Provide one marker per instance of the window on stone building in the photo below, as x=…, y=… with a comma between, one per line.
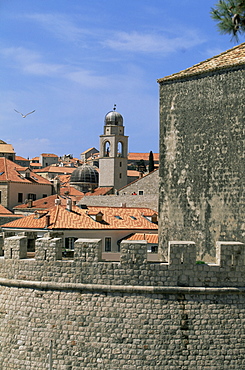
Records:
x=20, y=197
x=119, y=149
x=107, y=244
x=69, y=243
x=107, y=149
x=141, y=192
x=154, y=249
x=31, y=196
x=45, y=195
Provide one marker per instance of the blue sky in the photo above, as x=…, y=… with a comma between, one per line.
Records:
x=72, y=60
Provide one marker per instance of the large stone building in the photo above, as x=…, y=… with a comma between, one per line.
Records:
x=202, y=193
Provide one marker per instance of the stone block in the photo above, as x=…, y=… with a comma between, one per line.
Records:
x=15, y=247
x=88, y=250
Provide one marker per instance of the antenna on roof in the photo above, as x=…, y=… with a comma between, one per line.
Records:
x=115, y=107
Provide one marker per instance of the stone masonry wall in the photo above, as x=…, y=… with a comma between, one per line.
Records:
x=202, y=137
x=120, y=330
x=88, y=314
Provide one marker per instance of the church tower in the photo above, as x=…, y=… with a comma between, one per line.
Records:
x=113, y=159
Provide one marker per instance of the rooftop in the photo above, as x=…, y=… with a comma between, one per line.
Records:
x=150, y=238
x=82, y=218
x=229, y=58
x=144, y=156
x=10, y=171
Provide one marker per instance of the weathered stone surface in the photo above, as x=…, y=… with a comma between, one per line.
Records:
x=202, y=180
x=131, y=314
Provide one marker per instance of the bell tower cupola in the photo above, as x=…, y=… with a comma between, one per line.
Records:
x=113, y=152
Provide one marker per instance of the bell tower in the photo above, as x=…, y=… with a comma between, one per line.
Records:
x=113, y=161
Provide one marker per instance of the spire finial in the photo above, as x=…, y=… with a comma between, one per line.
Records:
x=115, y=107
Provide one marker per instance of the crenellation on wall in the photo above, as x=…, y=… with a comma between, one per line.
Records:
x=182, y=253
x=15, y=247
x=134, y=253
x=88, y=267
x=48, y=249
x=230, y=254
x=88, y=250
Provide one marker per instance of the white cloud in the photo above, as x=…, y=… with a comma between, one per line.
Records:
x=152, y=42
x=31, y=62
x=87, y=78
x=60, y=26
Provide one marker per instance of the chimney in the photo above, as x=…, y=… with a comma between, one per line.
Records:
x=29, y=203
x=57, y=201
x=47, y=220
x=69, y=204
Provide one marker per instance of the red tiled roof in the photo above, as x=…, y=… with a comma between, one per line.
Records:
x=229, y=58
x=57, y=169
x=10, y=171
x=150, y=238
x=49, y=201
x=133, y=173
x=35, y=164
x=64, y=179
x=88, y=150
x=42, y=203
x=144, y=156
x=71, y=191
x=113, y=218
x=49, y=155
x=100, y=191
x=17, y=157
x=4, y=211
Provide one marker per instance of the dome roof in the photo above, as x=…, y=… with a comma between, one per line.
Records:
x=114, y=118
x=85, y=173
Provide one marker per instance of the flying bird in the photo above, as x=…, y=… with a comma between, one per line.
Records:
x=24, y=115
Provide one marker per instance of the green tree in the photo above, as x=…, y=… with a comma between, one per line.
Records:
x=141, y=166
x=230, y=15
x=151, y=162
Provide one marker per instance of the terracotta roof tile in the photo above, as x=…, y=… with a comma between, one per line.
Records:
x=17, y=157
x=4, y=211
x=150, y=238
x=144, y=156
x=100, y=191
x=71, y=191
x=48, y=202
x=49, y=155
x=113, y=218
x=229, y=58
x=56, y=169
x=10, y=171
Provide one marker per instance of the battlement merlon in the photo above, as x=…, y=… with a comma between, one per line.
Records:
x=181, y=254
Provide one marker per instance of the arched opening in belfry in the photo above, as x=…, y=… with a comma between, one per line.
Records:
x=120, y=149
x=107, y=149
